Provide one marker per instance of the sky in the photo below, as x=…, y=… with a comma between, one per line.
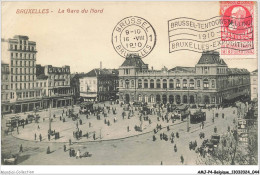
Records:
x=83, y=40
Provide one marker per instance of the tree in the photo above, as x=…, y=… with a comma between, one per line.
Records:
x=225, y=153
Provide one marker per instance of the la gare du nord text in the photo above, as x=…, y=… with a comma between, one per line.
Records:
x=220, y=21
x=68, y=10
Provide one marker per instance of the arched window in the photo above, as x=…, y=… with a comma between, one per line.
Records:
x=122, y=83
x=213, y=83
x=145, y=83
x=178, y=99
x=184, y=85
x=152, y=98
x=140, y=97
x=152, y=84
x=164, y=98
x=185, y=99
x=139, y=83
x=198, y=83
x=192, y=100
x=191, y=84
x=164, y=84
x=132, y=83
x=146, y=98
x=158, y=83
x=126, y=84
x=171, y=99
x=205, y=83
x=171, y=84
x=206, y=99
x=158, y=98
x=178, y=84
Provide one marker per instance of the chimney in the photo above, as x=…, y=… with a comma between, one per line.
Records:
x=152, y=67
x=100, y=65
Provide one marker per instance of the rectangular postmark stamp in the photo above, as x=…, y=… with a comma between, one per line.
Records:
x=232, y=33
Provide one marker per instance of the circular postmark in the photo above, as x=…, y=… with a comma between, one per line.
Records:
x=133, y=35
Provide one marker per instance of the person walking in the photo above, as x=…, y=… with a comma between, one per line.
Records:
x=64, y=148
x=49, y=137
x=21, y=148
x=48, y=150
x=40, y=136
x=78, y=154
x=182, y=159
x=35, y=136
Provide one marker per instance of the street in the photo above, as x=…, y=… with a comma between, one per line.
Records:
x=116, y=146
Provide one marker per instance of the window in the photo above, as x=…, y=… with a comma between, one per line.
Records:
x=171, y=84
x=184, y=83
x=213, y=99
x=205, y=83
x=151, y=83
x=164, y=84
x=192, y=84
x=198, y=83
x=158, y=83
x=140, y=97
x=139, y=83
x=178, y=85
x=132, y=83
x=213, y=83
x=145, y=83
x=127, y=71
x=127, y=84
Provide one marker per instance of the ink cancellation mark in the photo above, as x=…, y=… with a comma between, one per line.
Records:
x=133, y=35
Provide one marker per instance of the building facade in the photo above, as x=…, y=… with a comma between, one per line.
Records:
x=55, y=84
x=24, y=95
x=254, y=84
x=209, y=82
x=99, y=85
x=26, y=86
x=5, y=85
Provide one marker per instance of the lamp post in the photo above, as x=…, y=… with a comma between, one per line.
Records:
x=49, y=132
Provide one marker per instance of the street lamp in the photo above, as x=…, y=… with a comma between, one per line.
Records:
x=49, y=132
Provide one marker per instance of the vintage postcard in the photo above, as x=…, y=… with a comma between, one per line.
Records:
x=130, y=83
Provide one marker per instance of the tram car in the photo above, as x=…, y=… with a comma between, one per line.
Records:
x=85, y=107
x=181, y=112
x=197, y=117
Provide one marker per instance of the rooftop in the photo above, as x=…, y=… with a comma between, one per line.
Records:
x=237, y=71
x=133, y=60
x=211, y=57
x=96, y=72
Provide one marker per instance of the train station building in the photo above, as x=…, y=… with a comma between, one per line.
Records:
x=209, y=82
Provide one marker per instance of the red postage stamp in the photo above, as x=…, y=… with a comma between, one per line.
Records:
x=237, y=30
